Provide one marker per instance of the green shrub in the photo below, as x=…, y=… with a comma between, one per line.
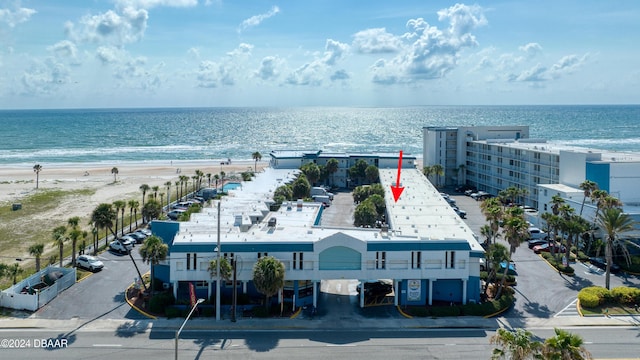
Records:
x=420, y=311
x=172, y=312
x=441, y=311
x=159, y=302
x=625, y=295
x=260, y=312
x=557, y=263
x=208, y=311
x=593, y=296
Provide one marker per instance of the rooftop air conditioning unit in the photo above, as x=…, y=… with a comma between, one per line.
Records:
x=272, y=222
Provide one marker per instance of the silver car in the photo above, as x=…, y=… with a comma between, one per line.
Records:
x=89, y=262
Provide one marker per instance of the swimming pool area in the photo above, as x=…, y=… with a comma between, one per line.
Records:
x=231, y=186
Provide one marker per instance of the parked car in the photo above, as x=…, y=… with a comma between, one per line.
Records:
x=89, y=262
x=376, y=287
x=536, y=242
x=138, y=237
x=535, y=233
x=602, y=264
x=549, y=248
x=145, y=232
x=461, y=213
x=128, y=240
x=480, y=195
x=175, y=214
x=119, y=247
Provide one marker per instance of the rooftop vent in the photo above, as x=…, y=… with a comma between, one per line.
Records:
x=272, y=222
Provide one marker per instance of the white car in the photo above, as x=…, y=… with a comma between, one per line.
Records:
x=119, y=247
x=89, y=262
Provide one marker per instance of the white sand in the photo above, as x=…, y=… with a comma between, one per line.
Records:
x=17, y=182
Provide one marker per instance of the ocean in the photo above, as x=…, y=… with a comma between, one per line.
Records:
x=135, y=135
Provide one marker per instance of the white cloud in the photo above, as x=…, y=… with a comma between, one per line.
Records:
x=258, y=19
x=110, y=55
x=268, y=69
x=373, y=41
x=340, y=75
x=566, y=65
x=316, y=71
x=531, y=49
x=334, y=52
x=431, y=52
x=65, y=49
x=111, y=27
x=211, y=74
x=15, y=16
x=44, y=77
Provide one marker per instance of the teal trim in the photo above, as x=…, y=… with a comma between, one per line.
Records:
x=340, y=258
x=319, y=217
x=442, y=245
x=475, y=254
x=600, y=173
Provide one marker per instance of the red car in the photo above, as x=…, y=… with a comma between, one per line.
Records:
x=549, y=248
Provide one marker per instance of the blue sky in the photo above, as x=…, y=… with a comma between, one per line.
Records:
x=180, y=53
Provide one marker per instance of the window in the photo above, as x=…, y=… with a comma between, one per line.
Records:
x=195, y=260
x=262, y=254
x=381, y=257
x=416, y=259
x=298, y=261
x=450, y=259
x=179, y=265
x=188, y=261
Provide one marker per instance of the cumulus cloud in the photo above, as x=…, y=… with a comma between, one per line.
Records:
x=314, y=72
x=258, y=19
x=268, y=69
x=375, y=41
x=111, y=27
x=44, y=77
x=15, y=16
x=531, y=49
x=212, y=74
x=109, y=55
x=539, y=73
x=64, y=49
x=431, y=52
x=566, y=65
x=340, y=75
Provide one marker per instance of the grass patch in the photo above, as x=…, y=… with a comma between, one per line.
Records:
x=610, y=309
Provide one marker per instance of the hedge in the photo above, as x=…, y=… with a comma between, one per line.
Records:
x=593, y=296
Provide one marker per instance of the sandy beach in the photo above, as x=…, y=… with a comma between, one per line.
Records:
x=19, y=182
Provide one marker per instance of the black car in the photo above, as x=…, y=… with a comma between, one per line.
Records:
x=376, y=288
x=602, y=264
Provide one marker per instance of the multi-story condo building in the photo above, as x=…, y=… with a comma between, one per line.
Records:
x=493, y=158
x=424, y=248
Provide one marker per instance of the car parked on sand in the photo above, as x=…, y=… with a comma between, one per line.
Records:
x=89, y=262
x=549, y=248
x=119, y=247
x=602, y=264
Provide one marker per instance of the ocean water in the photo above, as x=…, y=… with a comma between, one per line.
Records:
x=122, y=135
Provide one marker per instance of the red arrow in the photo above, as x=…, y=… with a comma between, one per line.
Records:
x=397, y=190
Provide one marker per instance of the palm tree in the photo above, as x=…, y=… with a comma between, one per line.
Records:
x=332, y=167
x=74, y=235
x=268, y=276
x=516, y=230
x=151, y=210
x=119, y=204
x=493, y=212
x=13, y=271
x=427, y=171
x=133, y=206
x=103, y=217
x=225, y=269
x=144, y=188
x=614, y=223
x=588, y=187
x=438, y=170
x=257, y=157
x=36, y=250
x=59, y=238
x=199, y=176
x=153, y=250
x=216, y=177
x=36, y=169
x=209, y=179
x=515, y=345
x=565, y=346
x=114, y=171
x=155, y=190
x=178, y=187
x=168, y=186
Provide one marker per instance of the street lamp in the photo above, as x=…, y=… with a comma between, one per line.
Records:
x=200, y=301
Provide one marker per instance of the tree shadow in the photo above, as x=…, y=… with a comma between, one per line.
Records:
x=576, y=283
x=205, y=343
x=62, y=341
x=530, y=307
x=131, y=328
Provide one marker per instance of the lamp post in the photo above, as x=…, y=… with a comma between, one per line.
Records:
x=185, y=322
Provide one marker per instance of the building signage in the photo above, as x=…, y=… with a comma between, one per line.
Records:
x=414, y=293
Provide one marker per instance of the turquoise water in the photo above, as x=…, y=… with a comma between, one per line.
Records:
x=94, y=135
x=231, y=186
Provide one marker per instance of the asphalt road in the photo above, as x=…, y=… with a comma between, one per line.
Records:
x=614, y=343
x=101, y=295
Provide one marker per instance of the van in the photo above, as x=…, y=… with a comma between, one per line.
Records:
x=322, y=199
x=320, y=191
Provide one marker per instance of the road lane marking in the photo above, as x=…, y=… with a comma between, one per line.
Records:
x=107, y=345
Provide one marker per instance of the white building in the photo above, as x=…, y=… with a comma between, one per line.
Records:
x=428, y=251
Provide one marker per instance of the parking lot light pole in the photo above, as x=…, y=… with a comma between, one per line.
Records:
x=200, y=301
